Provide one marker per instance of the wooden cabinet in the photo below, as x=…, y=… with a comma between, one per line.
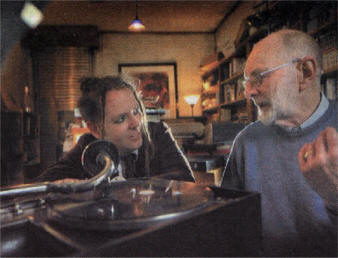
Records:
x=223, y=94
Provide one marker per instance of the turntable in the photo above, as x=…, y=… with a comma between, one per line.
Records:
x=137, y=217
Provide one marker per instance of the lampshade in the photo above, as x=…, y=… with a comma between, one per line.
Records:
x=136, y=25
x=191, y=99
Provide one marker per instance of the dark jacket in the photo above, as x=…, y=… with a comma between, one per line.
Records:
x=168, y=160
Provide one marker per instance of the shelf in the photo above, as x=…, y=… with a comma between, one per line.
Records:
x=331, y=71
x=154, y=111
x=322, y=28
x=232, y=78
x=208, y=69
x=228, y=83
x=253, y=37
x=212, y=91
x=235, y=103
x=211, y=109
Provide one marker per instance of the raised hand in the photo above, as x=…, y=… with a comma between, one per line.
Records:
x=318, y=161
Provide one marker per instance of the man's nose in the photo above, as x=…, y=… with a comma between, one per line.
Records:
x=134, y=121
x=250, y=90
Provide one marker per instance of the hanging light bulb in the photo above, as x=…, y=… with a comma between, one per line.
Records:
x=136, y=25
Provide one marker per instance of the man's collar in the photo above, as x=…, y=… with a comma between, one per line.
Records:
x=321, y=109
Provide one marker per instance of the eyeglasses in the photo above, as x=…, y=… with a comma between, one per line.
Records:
x=256, y=78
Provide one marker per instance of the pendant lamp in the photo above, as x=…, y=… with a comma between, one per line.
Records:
x=136, y=25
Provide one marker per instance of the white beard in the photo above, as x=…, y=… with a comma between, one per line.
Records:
x=267, y=117
x=281, y=105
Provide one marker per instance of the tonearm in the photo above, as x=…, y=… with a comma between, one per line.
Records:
x=100, y=158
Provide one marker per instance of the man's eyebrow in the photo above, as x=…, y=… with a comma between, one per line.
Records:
x=116, y=116
x=256, y=71
x=125, y=113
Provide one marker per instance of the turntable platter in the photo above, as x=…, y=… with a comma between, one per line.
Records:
x=131, y=204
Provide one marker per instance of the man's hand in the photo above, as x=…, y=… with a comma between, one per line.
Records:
x=318, y=161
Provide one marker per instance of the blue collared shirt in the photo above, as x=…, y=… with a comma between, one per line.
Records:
x=321, y=109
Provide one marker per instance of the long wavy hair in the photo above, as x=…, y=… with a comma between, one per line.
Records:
x=93, y=100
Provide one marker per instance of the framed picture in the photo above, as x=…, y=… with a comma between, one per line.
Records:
x=157, y=83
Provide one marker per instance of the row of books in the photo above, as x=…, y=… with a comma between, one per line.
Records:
x=328, y=40
x=237, y=65
x=330, y=60
x=210, y=102
x=320, y=15
x=232, y=68
x=233, y=91
x=329, y=88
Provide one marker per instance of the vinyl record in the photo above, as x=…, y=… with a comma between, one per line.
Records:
x=132, y=204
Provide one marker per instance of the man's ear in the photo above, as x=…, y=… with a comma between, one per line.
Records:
x=307, y=72
x=94, y=129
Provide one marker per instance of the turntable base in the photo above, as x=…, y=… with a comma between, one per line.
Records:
x=132, y=204
x=141, y=217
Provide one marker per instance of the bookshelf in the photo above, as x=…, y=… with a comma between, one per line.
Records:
x=227, y=92
x=222, y=92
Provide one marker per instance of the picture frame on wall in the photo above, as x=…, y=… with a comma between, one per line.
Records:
x=157, y=84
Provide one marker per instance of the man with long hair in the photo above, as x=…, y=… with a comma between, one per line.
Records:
x=114, y=112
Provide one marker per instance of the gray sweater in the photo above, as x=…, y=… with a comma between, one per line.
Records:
x=295, y=220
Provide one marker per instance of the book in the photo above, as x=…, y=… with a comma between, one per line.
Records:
x=331, y=88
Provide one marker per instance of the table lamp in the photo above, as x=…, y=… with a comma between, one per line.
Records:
x=192, y=100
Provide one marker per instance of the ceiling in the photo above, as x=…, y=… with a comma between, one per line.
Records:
x=157, y=16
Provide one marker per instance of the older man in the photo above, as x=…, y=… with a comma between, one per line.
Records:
x=290, y=155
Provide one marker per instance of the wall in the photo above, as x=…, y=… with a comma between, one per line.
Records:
x=227, y=32
x=15, y=75
x=186, y=50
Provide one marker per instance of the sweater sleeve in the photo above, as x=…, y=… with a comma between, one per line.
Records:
x=70, y=165
x=171, y=162
x=231, y=177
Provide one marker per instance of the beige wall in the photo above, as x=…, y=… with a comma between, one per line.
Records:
x=227, y=32
x=186, y=50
